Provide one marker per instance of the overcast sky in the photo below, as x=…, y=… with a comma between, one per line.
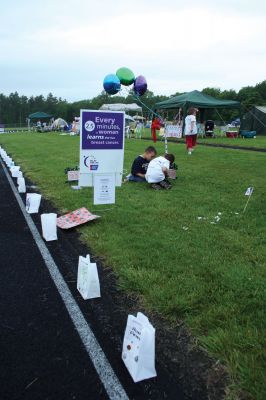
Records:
x=67, y=46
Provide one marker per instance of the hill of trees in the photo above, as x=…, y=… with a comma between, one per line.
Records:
x=14, y=108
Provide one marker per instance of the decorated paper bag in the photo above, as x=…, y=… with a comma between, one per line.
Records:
x=88, y=280
x=21, y=185
x=49, y=228
x=33, y=201
x=139, y=348
x=172, y=174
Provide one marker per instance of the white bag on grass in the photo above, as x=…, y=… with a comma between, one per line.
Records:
x=88, y=280
x=9, y=162
x=49, y=227
x=14, y=171
x=21, y=185
x=19, y=175
x=33, y=201
x=139, y=348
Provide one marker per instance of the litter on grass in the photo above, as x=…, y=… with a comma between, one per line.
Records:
x=75, y=218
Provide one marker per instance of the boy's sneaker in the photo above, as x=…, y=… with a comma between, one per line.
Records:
x=165, y=185
x=189, y=153
x=156, y=186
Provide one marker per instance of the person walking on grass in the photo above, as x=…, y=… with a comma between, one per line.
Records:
x=191, y=129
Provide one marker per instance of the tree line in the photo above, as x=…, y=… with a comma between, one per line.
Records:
x=14, y=109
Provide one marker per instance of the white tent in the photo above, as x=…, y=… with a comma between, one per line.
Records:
x=129, y=118
x=59, y=123
x=121, y=107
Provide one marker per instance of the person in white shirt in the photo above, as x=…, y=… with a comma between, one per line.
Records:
x=158, y=171
x=191, y=129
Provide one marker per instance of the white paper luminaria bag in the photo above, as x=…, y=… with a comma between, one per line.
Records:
x=19, y=175
x=49, y=227
x=88, y=280
x=139, y=348
x=21, y=185
x=14, y=171
x=33, y=201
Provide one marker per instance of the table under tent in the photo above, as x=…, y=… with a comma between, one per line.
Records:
x=198, y=100
x=38, y=116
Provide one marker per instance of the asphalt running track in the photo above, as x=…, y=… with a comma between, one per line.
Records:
x=43, y=348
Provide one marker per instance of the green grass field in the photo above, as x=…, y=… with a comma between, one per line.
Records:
x=259, y=142
x=212, y=276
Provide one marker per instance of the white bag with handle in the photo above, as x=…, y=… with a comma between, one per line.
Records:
x=21, y=185
x=88, y=280
x=49, y=227
x=33, y=201
x=139, y=348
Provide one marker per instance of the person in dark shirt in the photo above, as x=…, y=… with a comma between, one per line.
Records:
x=140, y=165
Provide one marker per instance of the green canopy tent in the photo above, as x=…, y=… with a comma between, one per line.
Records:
x=195, y=99
x=39, y=115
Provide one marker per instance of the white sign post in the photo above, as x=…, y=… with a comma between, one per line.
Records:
x=101, y=145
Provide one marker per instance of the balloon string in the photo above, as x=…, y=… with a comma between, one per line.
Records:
x=144, y=105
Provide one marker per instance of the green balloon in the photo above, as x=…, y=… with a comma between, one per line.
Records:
x=125, y=75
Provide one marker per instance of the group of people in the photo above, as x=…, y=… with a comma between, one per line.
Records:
x=190, y=130
x=154, y=170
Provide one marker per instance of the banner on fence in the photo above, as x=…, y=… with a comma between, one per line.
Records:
x=173, y=131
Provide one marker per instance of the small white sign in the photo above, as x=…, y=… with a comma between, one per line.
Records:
x=249, y=191
x=104, y=189
x=72, y=176
x=173, y=131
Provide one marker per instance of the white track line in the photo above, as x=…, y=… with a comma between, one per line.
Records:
x=106, y=374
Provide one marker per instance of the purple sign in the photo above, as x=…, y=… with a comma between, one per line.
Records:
x=102, y=130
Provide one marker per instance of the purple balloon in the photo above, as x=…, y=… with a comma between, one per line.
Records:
x=140, y=85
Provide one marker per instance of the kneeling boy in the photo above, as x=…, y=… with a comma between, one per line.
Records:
x=140, y=165
x=158, y=171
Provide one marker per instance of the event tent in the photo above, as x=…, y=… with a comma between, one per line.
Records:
x=59, y=123
x=255, y=120
x=39, y=115
x=129, y=118
x=121, y=107
x=196, y=99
